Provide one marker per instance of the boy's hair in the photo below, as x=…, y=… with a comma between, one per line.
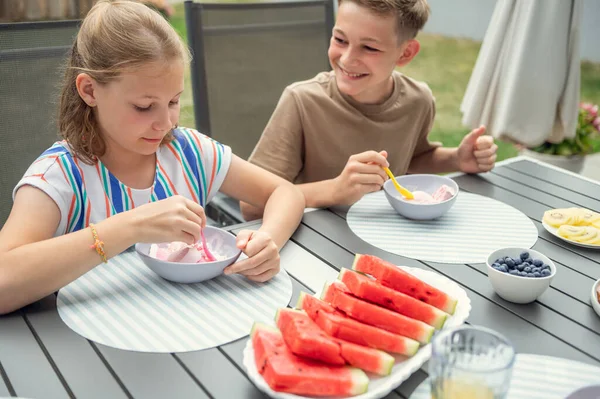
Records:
x=411, y=15
x=115, y=37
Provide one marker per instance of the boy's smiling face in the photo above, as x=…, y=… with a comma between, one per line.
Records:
x=364, y=51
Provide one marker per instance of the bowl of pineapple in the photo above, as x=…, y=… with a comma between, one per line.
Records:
x=578, y=226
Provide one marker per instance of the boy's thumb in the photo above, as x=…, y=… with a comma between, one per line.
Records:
x=384, y=153
x=474, y=135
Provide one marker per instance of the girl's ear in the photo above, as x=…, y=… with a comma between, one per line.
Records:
x=410, y=50
x=86, y=87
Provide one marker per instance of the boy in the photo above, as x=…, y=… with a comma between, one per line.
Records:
x=325, y=133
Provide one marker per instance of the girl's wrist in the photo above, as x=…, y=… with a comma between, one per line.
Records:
x=118, y=232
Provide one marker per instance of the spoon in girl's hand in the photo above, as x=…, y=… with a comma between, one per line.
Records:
x=209, y=254
x=404, y=192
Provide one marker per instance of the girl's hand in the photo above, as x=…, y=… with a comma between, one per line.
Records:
x=263, y=256
x=172, y=219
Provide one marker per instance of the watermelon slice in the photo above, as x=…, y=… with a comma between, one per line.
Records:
x=304, y=337
x=370, y=290
x=338, y=325
x=286, y=372
x=394, y=277
x=339, y=296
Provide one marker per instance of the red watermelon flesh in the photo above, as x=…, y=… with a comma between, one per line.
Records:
x=304, y=337
x=394, y=277
x=338, y=325
x=285, y=372
x=370, y=290
x=338, y=295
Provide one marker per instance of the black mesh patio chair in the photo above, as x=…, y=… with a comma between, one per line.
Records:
x=31, y=58
x=244, y=55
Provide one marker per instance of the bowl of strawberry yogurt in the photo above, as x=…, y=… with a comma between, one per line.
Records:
x=434, y=196
x=183, y=263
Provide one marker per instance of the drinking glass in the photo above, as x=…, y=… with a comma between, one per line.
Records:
x=470, y=362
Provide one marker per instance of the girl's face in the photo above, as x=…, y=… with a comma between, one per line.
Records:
x=139, y=108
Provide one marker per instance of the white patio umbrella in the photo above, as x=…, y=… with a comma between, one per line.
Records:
x=525, y=84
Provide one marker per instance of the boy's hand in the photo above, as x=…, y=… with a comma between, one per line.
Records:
x=476, y=153
x=361, y=175
x=263, y=256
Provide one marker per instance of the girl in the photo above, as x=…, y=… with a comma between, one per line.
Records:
x=125, y=173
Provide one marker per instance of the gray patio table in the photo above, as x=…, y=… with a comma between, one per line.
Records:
x=40, y=357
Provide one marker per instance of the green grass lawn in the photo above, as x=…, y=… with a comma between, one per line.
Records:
x=446, y=65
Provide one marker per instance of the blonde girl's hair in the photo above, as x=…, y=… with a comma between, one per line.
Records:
x=116, y=36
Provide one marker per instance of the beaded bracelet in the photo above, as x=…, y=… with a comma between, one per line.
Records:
x=97, y=245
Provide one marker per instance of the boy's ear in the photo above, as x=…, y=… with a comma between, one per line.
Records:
x=411, y=49
x=86, y=88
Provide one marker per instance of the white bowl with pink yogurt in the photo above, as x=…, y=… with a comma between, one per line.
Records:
x=434, y=196
x=183, y=263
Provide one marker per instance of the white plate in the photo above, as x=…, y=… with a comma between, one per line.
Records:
x=404, y=367
x=594, y=298
x=554, y=232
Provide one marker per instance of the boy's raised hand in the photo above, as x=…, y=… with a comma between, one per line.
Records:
x=476, y=153
x=362, y=174
x=263, y=256
x=172, y=219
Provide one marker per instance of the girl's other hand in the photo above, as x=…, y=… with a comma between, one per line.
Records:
x=263, y=256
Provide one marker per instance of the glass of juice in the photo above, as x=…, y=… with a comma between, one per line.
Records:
x=470, y=362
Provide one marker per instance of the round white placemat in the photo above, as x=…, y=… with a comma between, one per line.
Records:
x=125, y=305
x=473, y=228
x=539, y=377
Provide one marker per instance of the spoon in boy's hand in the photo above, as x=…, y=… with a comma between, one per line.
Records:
x=404, y=192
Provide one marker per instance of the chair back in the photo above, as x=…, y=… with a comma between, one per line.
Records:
x=244, y=55
x=31, y=58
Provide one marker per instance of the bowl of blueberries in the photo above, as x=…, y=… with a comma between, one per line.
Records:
x=520, y=275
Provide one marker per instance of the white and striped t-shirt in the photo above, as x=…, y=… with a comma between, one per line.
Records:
x=193, y=165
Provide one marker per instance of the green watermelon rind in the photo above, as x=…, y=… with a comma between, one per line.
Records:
x=360, y=381
x=256, y=326
x=450, y=305
x=300, y=300
x=438, y=322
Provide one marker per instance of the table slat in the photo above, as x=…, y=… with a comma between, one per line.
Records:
x=152, y=375
x=3, y=388
x=219, y=376
x=522, y=190
x=24, y=361
x=567, y=256
x=557, y=177
x=69, y=351
x=547, y=187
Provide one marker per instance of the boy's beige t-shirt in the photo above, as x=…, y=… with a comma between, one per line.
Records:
x=315, y=129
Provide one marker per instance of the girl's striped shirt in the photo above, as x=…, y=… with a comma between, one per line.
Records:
x=192, y=165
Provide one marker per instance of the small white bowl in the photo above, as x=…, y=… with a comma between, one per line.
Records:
x=426, y=183
x=594, y=298
x=518, y=289
x=220, y=242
